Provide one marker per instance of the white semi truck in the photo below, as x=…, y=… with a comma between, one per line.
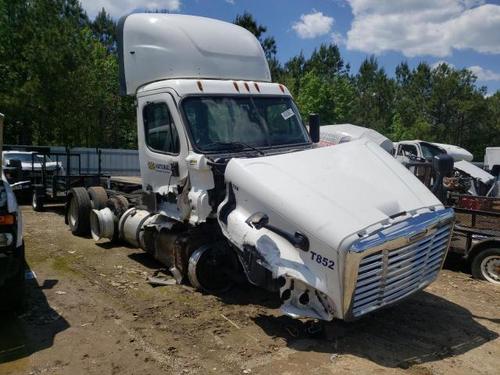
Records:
x=235, y=189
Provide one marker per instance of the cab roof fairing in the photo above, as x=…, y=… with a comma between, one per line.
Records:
x=154, y=47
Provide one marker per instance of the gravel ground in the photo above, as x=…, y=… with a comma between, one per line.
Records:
x=90, y=311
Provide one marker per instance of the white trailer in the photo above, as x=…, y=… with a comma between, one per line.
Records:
x=234, y=188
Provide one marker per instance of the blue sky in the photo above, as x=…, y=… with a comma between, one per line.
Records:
x=464, y=33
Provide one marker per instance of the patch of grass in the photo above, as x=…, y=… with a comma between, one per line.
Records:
x=62, y=264
x=35, y=259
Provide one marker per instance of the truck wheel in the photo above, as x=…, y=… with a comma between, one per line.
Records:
x=78, y=213
x=98, y=197
x=37, y=201
x=486, y=265
x=206, y=270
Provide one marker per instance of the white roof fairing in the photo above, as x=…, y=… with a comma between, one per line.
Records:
x=155, y=47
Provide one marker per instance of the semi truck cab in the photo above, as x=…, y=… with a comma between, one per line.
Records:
x=417, y=149
x=234, y=186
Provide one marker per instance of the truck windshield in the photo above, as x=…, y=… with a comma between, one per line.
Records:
x=429, y=151
x=220, y=123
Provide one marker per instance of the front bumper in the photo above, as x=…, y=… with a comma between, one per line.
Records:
x=395, y=262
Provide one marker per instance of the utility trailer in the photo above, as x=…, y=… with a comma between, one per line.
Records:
x=235, y=189
x=39, y=173
x=476, y=236
x=54, y=187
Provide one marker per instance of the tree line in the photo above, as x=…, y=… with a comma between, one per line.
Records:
x=59, y=85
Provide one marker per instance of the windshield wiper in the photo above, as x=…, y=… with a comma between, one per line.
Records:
x=235, y=145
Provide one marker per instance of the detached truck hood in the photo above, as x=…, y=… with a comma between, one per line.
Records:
x=318, y=205
x=332, y=192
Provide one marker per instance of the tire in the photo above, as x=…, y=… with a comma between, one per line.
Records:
x=98, y=197
x=37, y=201
x=78, y=212
x=206, y=270
x=118, y=204
x=13, y=291
x=486, y=265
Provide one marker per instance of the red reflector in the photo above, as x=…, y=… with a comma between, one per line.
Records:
x=7, y=219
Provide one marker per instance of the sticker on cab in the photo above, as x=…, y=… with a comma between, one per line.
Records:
x=158, y=167
x=287, y=114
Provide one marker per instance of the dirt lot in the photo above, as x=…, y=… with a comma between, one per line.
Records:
x=90, y=311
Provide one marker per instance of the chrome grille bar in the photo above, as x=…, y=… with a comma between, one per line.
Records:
x=387, y=274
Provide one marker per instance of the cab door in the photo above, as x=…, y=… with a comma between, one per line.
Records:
x=162, y=142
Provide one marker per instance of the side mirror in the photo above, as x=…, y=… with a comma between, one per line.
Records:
x=314, y=127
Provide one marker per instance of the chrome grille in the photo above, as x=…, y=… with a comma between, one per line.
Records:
x=386, y=276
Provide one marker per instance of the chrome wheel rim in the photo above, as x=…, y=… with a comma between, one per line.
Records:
x=490, y=268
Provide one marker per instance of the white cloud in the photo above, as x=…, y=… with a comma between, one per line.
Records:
x=440, y=62
x=424, y=27
x=232, y=2
x=483, y=74
x=313, y=25
x=338, y=38
x=118, y=8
